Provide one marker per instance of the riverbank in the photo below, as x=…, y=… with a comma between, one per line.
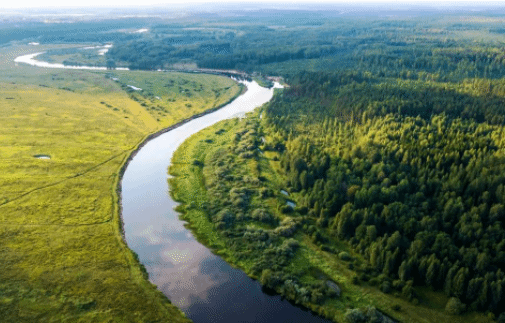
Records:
x=138, y=270
x=225, y=192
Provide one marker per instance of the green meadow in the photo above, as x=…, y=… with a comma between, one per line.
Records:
x=62, y=253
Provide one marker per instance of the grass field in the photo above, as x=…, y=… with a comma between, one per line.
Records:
x=188, y=186
x=169, y=99
x=63, y=257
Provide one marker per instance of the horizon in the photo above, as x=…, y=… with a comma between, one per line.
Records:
x=294, y=4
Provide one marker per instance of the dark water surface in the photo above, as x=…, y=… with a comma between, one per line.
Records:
x=200, y=283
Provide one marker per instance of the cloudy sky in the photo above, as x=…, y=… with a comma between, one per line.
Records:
x=124, y=3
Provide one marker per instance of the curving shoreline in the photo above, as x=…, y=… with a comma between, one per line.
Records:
x=149, y=137
x=30, y=60
x=163, y=252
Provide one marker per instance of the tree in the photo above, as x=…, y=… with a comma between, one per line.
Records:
x=404, y=271
x=432, y=272
x=111, y=65
x=344, y=221
x=459, y=286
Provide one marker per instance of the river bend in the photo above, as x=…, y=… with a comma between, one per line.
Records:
x=201, y=284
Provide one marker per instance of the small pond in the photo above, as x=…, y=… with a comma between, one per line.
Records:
x=42, y=156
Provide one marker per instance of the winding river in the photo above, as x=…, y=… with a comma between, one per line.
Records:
x=201, y=284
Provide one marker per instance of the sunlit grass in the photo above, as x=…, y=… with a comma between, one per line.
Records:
x=63, y=257
x=169, y=97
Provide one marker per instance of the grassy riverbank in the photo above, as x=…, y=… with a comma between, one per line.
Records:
x=231, y=196
x=63, y=256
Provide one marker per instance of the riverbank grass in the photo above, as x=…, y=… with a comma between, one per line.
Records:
x=63, y=257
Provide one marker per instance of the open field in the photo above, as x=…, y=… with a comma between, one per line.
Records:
x=197, y=165
x=171, y=96
x=63, y=256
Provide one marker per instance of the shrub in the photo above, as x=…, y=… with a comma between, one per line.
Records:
x=454, y=306
x=265, y=192
x=355, y=316
x=386, y=287
x=262, y=215
x=286, y=209
x=197, y=163
x=408, y=290
x=398, y=284
x=344, y=256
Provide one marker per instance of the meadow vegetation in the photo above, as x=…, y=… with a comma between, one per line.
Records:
x=62, y=253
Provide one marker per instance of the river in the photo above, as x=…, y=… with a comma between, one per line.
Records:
x=201, y=284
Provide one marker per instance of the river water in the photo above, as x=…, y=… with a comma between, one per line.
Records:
x=201, y=284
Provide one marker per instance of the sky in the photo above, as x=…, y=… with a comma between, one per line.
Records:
x=178, y=3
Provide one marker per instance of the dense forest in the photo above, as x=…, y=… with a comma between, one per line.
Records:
x=414, y=182
x=390, y=141
x=441, y=48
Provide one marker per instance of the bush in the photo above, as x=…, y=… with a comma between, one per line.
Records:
x=266, y=192
x=262, y=215
x=374, y=281
x=386, y=287
x=398, y=284
x=197, y=163
x=225, y=218
x=269, y=279
x=344, y=256
x=355, y=316
x=454, y=306
x=408, y=290
x=286, y=209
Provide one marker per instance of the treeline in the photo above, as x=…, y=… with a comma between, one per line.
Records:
x=410, y=173
x=407, y=49
x=154, y=54
x=77, y=32
x=358, y=95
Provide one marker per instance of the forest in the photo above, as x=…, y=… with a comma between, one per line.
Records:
x=440, y=47
x=391, y=160
x=417, y=191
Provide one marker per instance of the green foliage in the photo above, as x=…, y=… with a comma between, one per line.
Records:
x=405, y=188
x=454, y=306
x=366, y=315
x=416, y=49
